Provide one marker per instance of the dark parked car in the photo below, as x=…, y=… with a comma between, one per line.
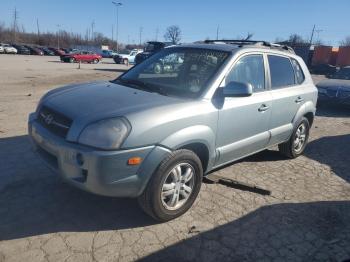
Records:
x=34, y=50
x=57, y=51
x=46, y=51
x=83, y=56
x=335, y=90
x=22, y=50
x=150, y=49
x=324, y=69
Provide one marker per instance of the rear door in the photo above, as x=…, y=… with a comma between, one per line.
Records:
x=286, y=78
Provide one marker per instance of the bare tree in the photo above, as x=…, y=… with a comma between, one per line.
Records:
x=173, y=34
x=345, y=42
x=248, y=37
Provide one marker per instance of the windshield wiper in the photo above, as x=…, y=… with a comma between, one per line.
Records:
x=142, y=86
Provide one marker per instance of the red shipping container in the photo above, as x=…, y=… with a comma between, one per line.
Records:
x=334, y=56
x=322, y=55
x=343, y=56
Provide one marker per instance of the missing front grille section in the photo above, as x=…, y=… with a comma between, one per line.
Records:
x=54, y=121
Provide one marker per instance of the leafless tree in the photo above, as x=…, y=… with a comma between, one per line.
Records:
x=173, y=34
x=345, y=42
x=248, y=37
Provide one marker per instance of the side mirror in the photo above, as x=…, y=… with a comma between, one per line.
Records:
x=237, y=89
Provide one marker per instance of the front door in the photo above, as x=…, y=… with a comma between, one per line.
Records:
x=244, y=121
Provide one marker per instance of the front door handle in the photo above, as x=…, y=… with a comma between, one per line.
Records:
x=299, y=100
x=263, y=108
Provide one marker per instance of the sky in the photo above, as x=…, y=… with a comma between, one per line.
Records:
x=198, y=20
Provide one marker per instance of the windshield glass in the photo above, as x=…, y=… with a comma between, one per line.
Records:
x=150, y=47
x=343, y=73
x=182, y=72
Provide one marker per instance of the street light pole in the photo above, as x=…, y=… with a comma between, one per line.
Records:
x=58, y=36
x=117, y=5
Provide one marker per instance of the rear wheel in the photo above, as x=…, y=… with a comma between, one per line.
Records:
x=173, y=187
x=296, y=144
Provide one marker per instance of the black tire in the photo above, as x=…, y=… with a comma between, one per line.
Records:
x=151, y=201
x=288, y=148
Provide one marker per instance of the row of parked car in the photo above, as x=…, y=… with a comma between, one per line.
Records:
x=32, y=50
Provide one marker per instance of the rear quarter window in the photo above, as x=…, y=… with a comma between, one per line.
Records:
x=299, y=74
x=281, y=72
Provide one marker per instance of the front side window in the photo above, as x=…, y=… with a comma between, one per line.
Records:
x=181, y=72
x=249, y=69
x=281, y=72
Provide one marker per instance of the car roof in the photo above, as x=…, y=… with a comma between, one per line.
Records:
x=256, y=46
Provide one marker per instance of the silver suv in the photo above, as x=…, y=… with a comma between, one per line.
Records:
x=153, y=134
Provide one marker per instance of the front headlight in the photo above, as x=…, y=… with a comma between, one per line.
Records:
x=105, y=134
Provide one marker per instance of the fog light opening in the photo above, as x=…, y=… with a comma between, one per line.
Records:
x=134, y=161
x=80, y=159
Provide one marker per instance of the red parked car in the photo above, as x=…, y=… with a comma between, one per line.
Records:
x=83, y=56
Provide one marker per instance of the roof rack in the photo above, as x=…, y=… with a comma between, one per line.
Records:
x=241, y=43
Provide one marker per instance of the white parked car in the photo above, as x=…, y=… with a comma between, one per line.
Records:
x=8, y=49
x=127, y=58
x=1, y=50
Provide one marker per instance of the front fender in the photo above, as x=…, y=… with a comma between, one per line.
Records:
x=193, y=134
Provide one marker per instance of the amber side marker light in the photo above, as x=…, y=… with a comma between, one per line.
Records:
x=134, y=161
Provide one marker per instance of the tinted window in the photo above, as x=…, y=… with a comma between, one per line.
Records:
x=249, y=69
x=281, y=71
x=298, y=71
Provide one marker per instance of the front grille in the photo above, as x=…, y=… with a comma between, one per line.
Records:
x=54, y=121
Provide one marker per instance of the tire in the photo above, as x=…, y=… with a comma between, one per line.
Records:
x=152, y=200
x=290, y=148
x=95, y=61
x=72, y=60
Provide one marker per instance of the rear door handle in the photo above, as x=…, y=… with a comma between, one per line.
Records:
x=263, y=108
x=299, y=100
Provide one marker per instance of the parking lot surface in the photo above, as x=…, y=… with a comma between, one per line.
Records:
x=305, y=218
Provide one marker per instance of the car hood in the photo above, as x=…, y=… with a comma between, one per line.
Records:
x=334, y=83
x=99, y=100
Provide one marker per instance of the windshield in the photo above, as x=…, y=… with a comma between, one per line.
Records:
x=343, y=73
x=181, y=72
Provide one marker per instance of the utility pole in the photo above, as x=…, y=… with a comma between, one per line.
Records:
x=58, y=36
x=117, y=5
x=92, y=31
x=37, y=26
x=141, y=29
x=15, y=18
x=217, y=33
x=312, y=34
x=112, y=33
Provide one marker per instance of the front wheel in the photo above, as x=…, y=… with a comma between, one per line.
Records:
x=296, y=144
x=173, y=187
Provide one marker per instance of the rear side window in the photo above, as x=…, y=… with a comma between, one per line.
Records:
x=281, y=71
x=299, y=75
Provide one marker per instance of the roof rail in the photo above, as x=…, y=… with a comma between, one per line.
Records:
x=241, y=43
